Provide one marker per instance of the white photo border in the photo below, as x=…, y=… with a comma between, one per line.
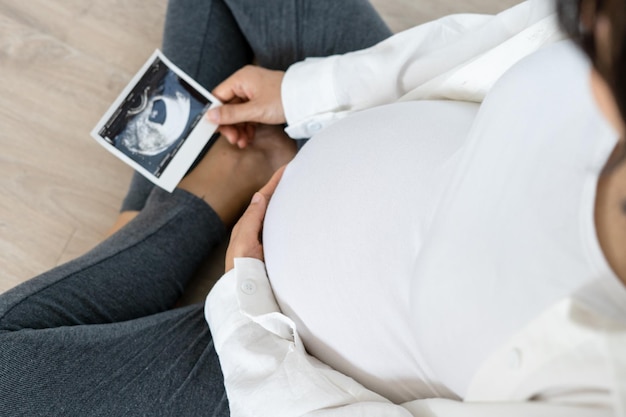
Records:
x=195, y=142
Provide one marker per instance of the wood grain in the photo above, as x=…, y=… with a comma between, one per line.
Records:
x=62, y=62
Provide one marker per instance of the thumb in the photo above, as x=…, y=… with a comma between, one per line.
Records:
x=268, y=189
x=230, y=114
x=245, y=238
x=252, y=220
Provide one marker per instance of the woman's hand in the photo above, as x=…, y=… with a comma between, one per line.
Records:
x=252, y=94
x=245, y=240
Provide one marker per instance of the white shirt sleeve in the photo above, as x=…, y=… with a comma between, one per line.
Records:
x=458, y=57
x=267, y=371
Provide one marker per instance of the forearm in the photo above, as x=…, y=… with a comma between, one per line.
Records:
x=420, y=63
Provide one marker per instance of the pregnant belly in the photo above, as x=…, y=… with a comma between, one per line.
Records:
x=344, y=228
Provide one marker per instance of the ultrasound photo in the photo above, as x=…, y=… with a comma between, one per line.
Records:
x=152, y=121
x=155, y=118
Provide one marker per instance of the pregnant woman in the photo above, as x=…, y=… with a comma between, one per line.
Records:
x=447, y=243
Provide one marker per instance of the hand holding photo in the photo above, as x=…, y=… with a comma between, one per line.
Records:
x=156, y=124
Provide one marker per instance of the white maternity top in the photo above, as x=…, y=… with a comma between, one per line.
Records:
x=408, y=242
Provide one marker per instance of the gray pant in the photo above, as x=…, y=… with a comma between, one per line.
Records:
x=99, y=336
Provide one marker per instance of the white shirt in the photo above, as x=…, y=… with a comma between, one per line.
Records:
x=409, y=294
x=458, y=57
x=267, y=371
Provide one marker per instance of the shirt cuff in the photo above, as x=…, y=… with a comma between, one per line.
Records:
x=241, y=295
x=309, y=96
x=254, y=292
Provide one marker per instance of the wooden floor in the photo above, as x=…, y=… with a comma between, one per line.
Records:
x=61, y=64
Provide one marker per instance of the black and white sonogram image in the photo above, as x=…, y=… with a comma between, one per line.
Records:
x=156, y=117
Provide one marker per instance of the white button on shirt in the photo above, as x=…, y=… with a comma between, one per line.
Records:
x=248, y=287
x=314, y=127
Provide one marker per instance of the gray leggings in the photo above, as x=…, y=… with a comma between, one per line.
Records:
x=99, y=336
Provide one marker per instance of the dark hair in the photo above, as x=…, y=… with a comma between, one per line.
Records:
x=614, y=72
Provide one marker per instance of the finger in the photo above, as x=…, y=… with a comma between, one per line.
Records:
x=251, y=222
x=250, y=131
x=230, y=114
x=245, y=241
x=231, y=133
x=226, y=90
x=236, y=85
x=268, y=189
x=238, y=135
x=246, y=135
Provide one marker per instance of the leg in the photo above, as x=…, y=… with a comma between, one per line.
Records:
x=204, y=40
x=161, y=365
x=139, y=271
x=95, y=336
x=212, y=39
x=284, y=32
x=142, y=269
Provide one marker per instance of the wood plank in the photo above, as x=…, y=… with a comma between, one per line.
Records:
x=121, y=33
x=403, y=14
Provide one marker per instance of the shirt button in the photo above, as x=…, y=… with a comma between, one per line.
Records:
x=515, y=359
x=248, y=287
x=314, y=127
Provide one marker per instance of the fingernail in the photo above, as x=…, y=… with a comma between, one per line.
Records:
x=256, y=198
x=214, y=115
